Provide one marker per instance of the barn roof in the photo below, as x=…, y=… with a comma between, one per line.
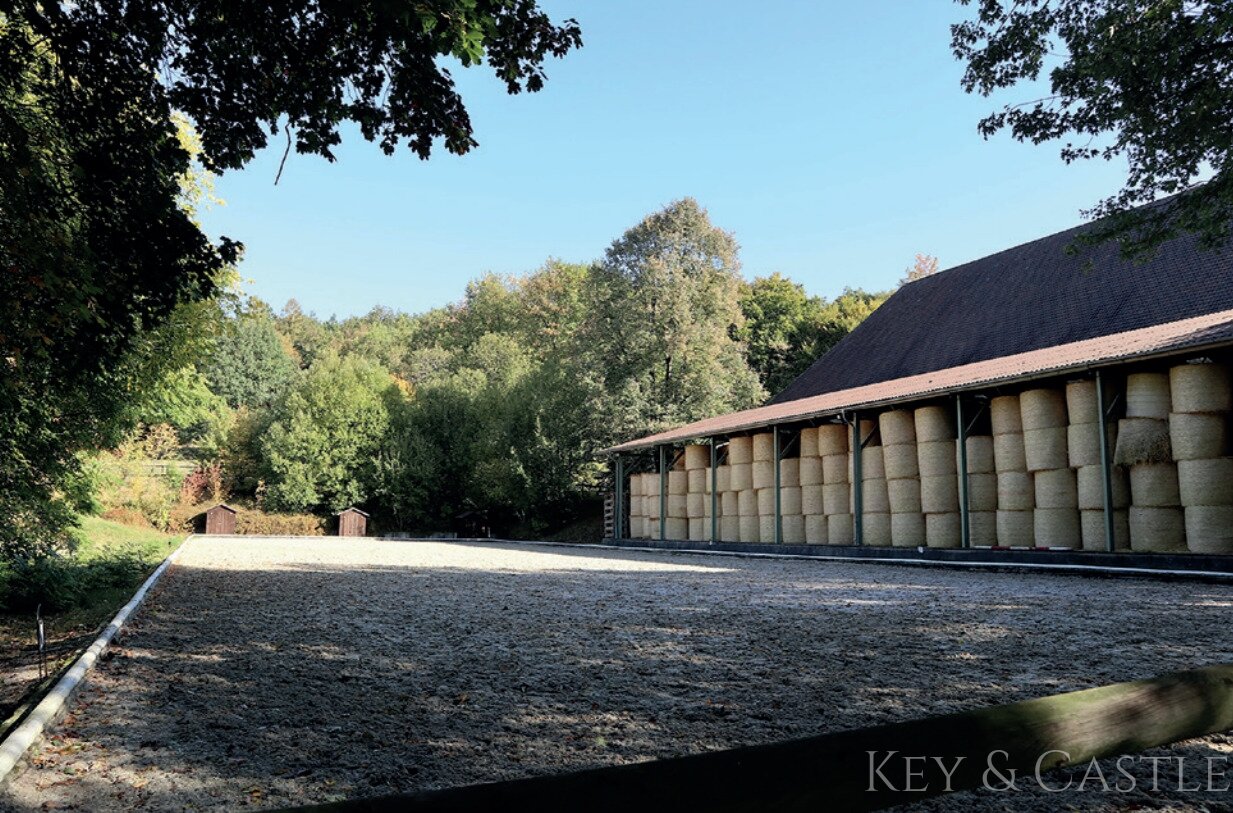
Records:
x=1034, y=310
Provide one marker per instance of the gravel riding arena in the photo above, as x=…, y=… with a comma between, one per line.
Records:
x=273, y=672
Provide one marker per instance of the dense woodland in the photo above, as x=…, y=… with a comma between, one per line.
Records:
x=493, y=407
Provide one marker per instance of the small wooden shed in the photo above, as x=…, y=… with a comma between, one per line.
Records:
x=352, y=522
x=220, y=519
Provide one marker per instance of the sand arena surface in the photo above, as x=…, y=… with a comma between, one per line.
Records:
x=273, y=672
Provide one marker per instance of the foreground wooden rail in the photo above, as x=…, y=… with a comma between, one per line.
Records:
x=835, y=771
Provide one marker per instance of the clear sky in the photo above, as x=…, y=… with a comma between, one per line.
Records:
x=832, y=138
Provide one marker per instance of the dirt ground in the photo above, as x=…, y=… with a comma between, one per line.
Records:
x=266, y=673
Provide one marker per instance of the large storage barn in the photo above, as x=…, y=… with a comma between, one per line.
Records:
x=1037, y=398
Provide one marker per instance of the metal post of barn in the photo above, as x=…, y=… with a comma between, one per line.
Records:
x=965, y=516
x=618, y=517
x=663, y=492
x=1106, y=472
x=858, y=497
x=714, y=491
x=778, y=488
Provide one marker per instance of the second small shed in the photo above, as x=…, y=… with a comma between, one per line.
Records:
x=352, y=522
x=220, y=519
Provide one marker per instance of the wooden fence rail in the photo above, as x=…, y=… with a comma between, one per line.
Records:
x=835, y=772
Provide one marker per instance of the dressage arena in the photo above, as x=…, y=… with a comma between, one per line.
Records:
x=274, y=672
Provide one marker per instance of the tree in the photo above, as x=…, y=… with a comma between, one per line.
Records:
x=925, y=266
x=1147, y=82
x=250, y=365
x=321, y=450
x=664, y=310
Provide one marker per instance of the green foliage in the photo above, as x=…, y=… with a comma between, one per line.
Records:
x=322, y=444
x=1144, y=82
x=250, y=365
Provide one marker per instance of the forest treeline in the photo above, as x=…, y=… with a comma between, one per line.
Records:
x=493, y=407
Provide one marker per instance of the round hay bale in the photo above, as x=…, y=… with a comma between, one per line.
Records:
x=908, y=530
x=1205, y=482
x=899, y=461
x=1057, y=528
x=1081, y=404
x=934, y=423
x=699, y=480
x=936, y=458
x=747, y=503
x=815, y=530
x=1092, y=524
x=741, y=477
x=1016, y=491
x=706, y=506
x=840, y=529
x=1142, y=441
x=1209, y=528
x=943, y=530
x=1083, y=443
x=740, y=450
x=635, y=485
x=1016, y=529
x=832, y=439
x=983, y=528
x=1157, y=529
x=751, y=529
x=835, y=468
x=809, y=442
x=897, y=427
x=764, y=446
x=835, y=498
x=697, y=456
x=1091, y=488
x=766, y=502
x=1056, y=488
x=791, y=501
x=676, y=528
x=939, y=495
x=980, y=454
x=1196, y=436
x=1201, y=388
x=1147, y=396
x=1008, y=453
x=811, y=500
x=652, y=507
x=766, y=529
x=1155, y=486
x=678, y=482
x=678, y=506
x=763, y=472
x=982, y=492
x=1005, y=416
x=869, y=433
x=730, y=529
x=694, y=505
x=729, y=504
x=876, y=528
x=699, y=530
x=790, y=471
x=904, y=496
x=810, y=469
x=873, y=466
x=1043, y=408
x=793, y=530
x=874, y=497
x=1045, y=448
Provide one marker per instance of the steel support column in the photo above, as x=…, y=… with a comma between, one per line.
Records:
x=858, y=496
x=778, y=489
x=663, y=492
x=618, y=516
x=965, y=517
x=1106, y=472
x=714, y=492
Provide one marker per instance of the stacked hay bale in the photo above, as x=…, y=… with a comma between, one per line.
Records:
x=698, y=473
x=791, y=513
x=875, y=499
x=740, y=456
x=982, y=491
x=939, y=481
x=898, y=430
x=650, y=498
x=832, y=444
x=677, y=526
x=1156, y=519
x=1201, y=396
x=764, y=485
x=1055, y=488
x=1083, y=450
x=811, y=477
x=729, y=507
x=636, y=518
x=1016, y=497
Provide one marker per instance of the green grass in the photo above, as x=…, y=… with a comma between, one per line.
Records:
x=98, y=537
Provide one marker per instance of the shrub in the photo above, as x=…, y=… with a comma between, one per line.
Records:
x=262, y=524
x=54, y=581
x=127, y=516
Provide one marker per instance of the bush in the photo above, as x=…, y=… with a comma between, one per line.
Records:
x=260, y=523
x=54, y=581
x=128, y=516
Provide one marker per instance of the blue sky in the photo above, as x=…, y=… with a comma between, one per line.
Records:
x=832, y=138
